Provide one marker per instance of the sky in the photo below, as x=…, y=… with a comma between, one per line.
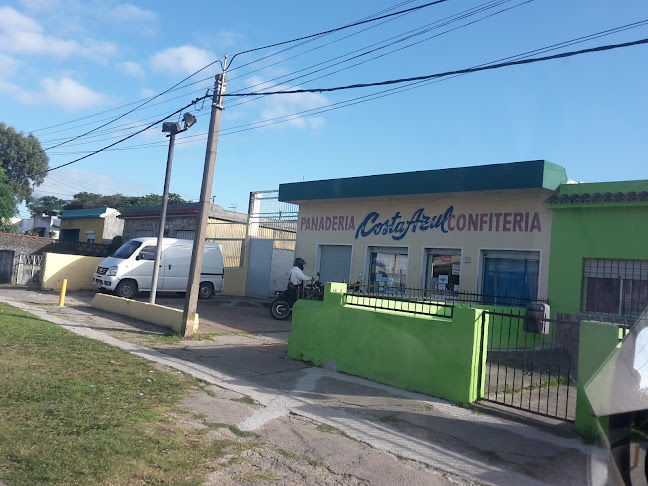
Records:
x=69, y=66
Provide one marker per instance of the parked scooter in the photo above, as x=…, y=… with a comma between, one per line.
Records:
x=282, y=305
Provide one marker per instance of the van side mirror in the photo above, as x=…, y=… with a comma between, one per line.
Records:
x=137, y=257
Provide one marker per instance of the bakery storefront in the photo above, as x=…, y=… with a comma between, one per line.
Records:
x=482, y=229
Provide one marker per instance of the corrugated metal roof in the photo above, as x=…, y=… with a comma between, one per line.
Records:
x=215, y=212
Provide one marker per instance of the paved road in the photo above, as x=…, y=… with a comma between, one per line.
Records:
x=247, y=356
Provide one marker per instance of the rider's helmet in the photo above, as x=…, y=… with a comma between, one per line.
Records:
x=299, y=262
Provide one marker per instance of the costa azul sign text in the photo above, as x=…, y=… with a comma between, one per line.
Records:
x=399, y=226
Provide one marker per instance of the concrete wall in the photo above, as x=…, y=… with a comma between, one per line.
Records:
x=153, y=313
x=597, y=341
x=591, y=231
x=76, y=269
x=172, y=224
x=113, y=226
x=282, y=263
x=235, y=279
x=437, y=356
x=347, y=215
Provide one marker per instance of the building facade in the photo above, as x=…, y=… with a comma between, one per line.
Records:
x=95, y=225
x=599, y=255
x=483, y=229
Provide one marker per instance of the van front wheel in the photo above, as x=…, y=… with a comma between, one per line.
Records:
x=206, y=290
x=126, y=289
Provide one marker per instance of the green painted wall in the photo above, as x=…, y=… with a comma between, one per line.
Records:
x=596, y=342
x=591, y=231
x=436, y=356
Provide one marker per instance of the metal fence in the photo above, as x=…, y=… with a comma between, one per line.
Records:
x=396, y=299
x=415, y=294
x=531, y=371
x=270, y=218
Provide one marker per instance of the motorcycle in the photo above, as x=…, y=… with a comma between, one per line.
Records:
x=282, y=305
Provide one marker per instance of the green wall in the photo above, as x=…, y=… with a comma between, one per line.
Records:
x=597, y=342
x=432, y=355
x=581, y=230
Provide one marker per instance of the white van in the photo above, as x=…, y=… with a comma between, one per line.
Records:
x=130, y=269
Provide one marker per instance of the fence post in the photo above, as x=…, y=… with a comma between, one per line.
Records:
x=62, y=296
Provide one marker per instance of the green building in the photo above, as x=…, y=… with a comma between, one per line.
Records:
x=599, y=249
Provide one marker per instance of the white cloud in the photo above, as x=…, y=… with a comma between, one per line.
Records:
x=181, y=60
x=147, y=93
x=21, y=34
x=41, y=5
x=283, y=105
x=127, y=12
x=65, y=92
x=8, y=66
x=131, y=68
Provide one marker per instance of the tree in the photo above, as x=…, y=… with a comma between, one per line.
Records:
x=8, y=206
x=49, y=205
x=24, y=161
x=86, y=200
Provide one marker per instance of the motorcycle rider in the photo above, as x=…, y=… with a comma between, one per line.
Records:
x=297, y=278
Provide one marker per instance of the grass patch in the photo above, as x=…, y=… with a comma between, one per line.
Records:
x=244, y=399
x=232, y=428
x=78, y=412
x=561, y=380
x=329, y=429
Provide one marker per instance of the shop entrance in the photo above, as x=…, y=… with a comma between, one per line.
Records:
x=443, y=270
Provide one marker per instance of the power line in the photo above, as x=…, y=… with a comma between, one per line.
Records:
x=415, y=82
x=121, y=140
x=411, y=33
x=337, y=29
x=173, y=88
x=130, y=111
x=408, y=35
x=448, y=73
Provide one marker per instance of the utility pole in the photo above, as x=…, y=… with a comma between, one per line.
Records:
x=165, y=201
x=191, y=299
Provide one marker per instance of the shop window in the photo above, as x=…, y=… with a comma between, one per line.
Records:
x=443, y=270
x=510, y=278
x=616, y=287
x=90, y=236
x=388, y=269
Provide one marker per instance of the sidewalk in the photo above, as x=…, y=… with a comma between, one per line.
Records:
x=454, y=445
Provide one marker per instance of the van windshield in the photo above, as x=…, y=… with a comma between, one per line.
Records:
x=127, y=249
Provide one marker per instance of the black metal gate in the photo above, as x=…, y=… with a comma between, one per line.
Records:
x=528, y=370
x=6, y=265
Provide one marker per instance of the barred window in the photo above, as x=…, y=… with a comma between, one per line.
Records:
x=616, y=287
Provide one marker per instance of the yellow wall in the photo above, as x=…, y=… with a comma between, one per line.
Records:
x=471, y=243
x=235, y=280
x=76, y=269
x=85, y=224
x=153, y=313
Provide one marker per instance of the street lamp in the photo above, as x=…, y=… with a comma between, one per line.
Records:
x=171, y=129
